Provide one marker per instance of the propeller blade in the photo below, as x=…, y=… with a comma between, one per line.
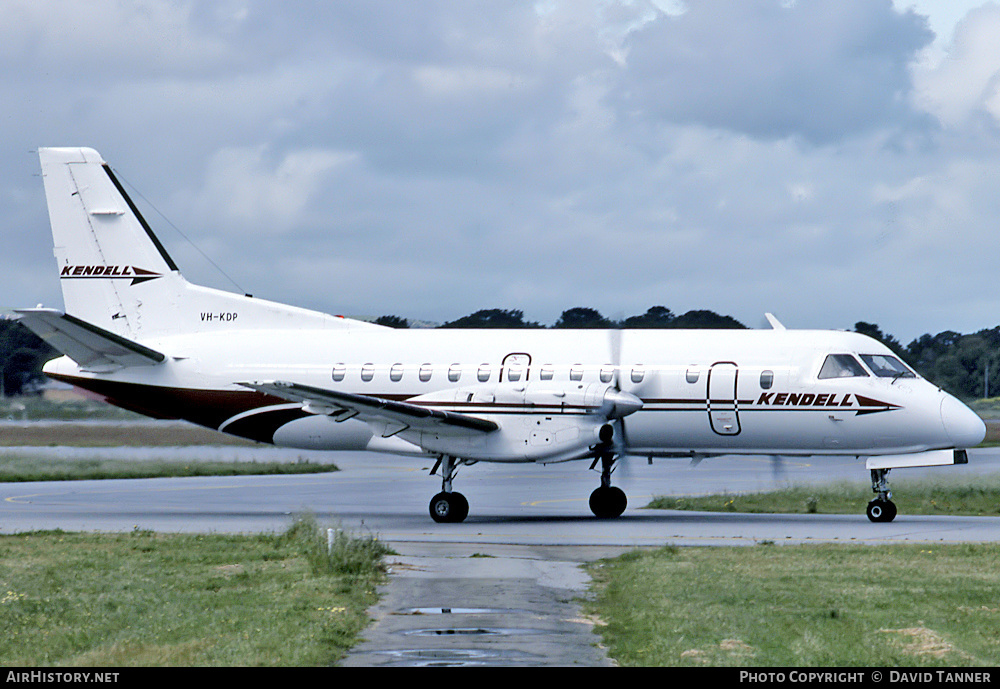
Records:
x=777, y=467
x=615, y=347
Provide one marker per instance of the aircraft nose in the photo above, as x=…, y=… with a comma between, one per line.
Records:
x=962, y=425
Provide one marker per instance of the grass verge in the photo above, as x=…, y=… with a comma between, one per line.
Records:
x=147, y=599
x=945, y=496
x=827, y=605
x=15, y=469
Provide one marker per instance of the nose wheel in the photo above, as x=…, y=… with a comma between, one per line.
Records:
x=882, y=508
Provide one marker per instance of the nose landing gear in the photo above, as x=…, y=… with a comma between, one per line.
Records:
x=882, y=508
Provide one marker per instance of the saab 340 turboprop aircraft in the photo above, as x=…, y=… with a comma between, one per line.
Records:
x=136, y=333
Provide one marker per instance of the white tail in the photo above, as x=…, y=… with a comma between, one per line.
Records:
x=115, y=273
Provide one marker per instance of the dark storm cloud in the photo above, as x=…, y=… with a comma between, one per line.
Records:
x=431, y=159
x=822, y=69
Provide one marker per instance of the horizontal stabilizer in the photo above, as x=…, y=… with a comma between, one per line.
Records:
x=91, y=347
x=396, y=416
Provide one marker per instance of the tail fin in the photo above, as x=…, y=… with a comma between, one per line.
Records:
x=115, y=273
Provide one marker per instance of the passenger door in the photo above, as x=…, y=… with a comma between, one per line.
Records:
x=723, y=410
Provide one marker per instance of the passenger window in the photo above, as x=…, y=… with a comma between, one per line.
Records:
x=425, y=372
x=842, y=366
x=367, y=372
x=513, y=375
x=396, y=373
x=576, y=372
x=766, y=379
x=455, y=372
x=339, y=370
x=637, y=375
x=545, y=373
x=607, y=373
x=692, y=375
x=484, y=373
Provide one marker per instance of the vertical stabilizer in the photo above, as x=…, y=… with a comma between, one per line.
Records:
x=115, y=273
x=102, y=244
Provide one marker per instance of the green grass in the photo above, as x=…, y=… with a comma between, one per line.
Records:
x=34, y=407
x=828, y=605
x=146, y=599
x=15, y=469
x=944, y=496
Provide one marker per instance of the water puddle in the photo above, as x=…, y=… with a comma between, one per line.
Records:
x=456, y=657
x=457, y=611
x=470, y=631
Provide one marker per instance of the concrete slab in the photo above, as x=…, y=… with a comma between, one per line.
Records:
x=458, y=604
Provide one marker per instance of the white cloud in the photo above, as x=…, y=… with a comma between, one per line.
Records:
x=246, y=189
x=965, y=85
x=89, y=39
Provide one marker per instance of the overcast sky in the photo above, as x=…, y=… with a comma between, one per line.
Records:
x=829, y=161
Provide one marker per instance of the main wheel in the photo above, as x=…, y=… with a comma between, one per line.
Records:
x=608, y=502
x=449, y=508
x=881, y=510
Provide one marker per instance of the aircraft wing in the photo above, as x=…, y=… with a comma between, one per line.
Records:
x=388, y=416
x=89, y=346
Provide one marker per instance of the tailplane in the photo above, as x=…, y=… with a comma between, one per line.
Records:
x=115, y=273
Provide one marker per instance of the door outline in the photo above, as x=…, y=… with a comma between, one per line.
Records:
x=521, y=359
x=721, y=398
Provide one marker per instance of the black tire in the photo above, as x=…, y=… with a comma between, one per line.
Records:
x=461, y=507
x=881, y=510
x=449, y=508
x=608, y=502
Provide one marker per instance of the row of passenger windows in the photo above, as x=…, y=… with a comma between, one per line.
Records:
x=835, y=366
x=515, y=374
x=483, y=373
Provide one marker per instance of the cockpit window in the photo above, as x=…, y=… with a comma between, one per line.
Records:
x=842, y=366
x=885, y=366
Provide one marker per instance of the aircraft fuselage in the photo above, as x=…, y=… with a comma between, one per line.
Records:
x=702, y=392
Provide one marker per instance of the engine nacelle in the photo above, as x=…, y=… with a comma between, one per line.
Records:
x=538, y=421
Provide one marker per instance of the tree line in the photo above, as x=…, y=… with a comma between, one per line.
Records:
x=967, y=366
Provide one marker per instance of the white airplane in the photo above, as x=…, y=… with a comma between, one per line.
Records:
x=135, y=332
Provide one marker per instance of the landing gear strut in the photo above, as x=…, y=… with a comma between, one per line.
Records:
x=448, y=506
x=607, y=501
x=882, y=508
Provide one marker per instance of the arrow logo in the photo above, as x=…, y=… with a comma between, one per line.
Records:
x=136, y=275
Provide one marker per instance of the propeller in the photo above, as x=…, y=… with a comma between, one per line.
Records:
x=620, y=403
x=621, y=438
x=777, y=468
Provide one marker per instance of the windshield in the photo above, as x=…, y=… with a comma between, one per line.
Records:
x=885, y=366
x=842, y=366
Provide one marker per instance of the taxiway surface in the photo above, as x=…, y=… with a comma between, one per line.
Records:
x=503, y=587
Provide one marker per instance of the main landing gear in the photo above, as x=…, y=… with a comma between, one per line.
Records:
x=882, y=508
x=607, y=501
x=448, y=506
